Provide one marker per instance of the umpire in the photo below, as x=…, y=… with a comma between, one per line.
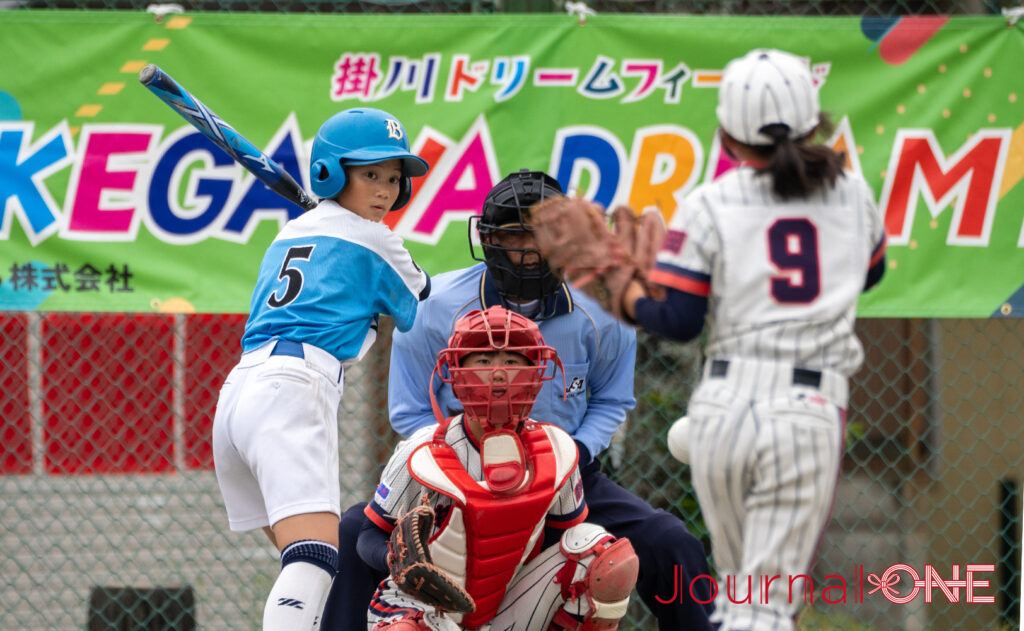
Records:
x=598, y=354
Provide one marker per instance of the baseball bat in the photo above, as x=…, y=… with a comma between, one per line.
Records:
x=224, y=136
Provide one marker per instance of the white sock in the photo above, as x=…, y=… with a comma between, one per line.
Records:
x=296, y=601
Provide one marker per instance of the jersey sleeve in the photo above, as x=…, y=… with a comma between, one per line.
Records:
x=402, y=284
x=569, y=507
x=611, y=376
x=873, y=233
x=876, y=225
x=397, y=491
x=687, y=255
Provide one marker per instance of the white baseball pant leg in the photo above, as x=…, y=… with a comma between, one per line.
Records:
x=765, y=460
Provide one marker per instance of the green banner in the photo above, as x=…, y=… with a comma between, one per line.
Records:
x=112, y=202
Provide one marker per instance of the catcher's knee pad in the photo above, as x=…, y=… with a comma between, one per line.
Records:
x=599, y=573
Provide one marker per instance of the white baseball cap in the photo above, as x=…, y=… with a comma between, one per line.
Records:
x=766, y=87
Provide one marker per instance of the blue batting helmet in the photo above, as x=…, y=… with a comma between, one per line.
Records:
x=356, y=136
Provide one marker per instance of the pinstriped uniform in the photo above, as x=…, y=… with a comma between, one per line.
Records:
x=766, y=437
x=532, y=596
x=720, y=247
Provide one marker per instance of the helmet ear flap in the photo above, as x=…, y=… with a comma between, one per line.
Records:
x=326, y=177
x=404, y=192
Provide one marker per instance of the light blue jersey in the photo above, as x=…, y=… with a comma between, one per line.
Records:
x=325, y=279
x=597, y=351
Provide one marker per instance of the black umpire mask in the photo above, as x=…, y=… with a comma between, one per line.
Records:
x=506, y=210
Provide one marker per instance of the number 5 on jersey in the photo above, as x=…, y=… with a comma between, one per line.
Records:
x=292, y=276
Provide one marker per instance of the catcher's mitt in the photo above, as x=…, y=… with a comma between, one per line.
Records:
x=412, y=569
x=574, y=238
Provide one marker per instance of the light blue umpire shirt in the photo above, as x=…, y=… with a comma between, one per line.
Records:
x=597, y=351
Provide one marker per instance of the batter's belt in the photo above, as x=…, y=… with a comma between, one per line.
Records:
x=760, y=379
x=315, y=357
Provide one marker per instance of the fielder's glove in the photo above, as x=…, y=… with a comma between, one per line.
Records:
x=412, y=569
x=574, y=238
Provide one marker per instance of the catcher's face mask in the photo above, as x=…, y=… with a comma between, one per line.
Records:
x=517, y=269
x=496, y=363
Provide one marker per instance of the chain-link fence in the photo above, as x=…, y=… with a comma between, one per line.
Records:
x=112, y=518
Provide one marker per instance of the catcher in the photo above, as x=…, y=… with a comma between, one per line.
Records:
x=479, y=494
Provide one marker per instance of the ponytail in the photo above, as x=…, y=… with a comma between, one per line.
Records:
x=797, y=167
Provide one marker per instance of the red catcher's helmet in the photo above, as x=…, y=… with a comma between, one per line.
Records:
x=507, y=403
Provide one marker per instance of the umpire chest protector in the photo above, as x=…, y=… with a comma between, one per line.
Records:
x=488, y=536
